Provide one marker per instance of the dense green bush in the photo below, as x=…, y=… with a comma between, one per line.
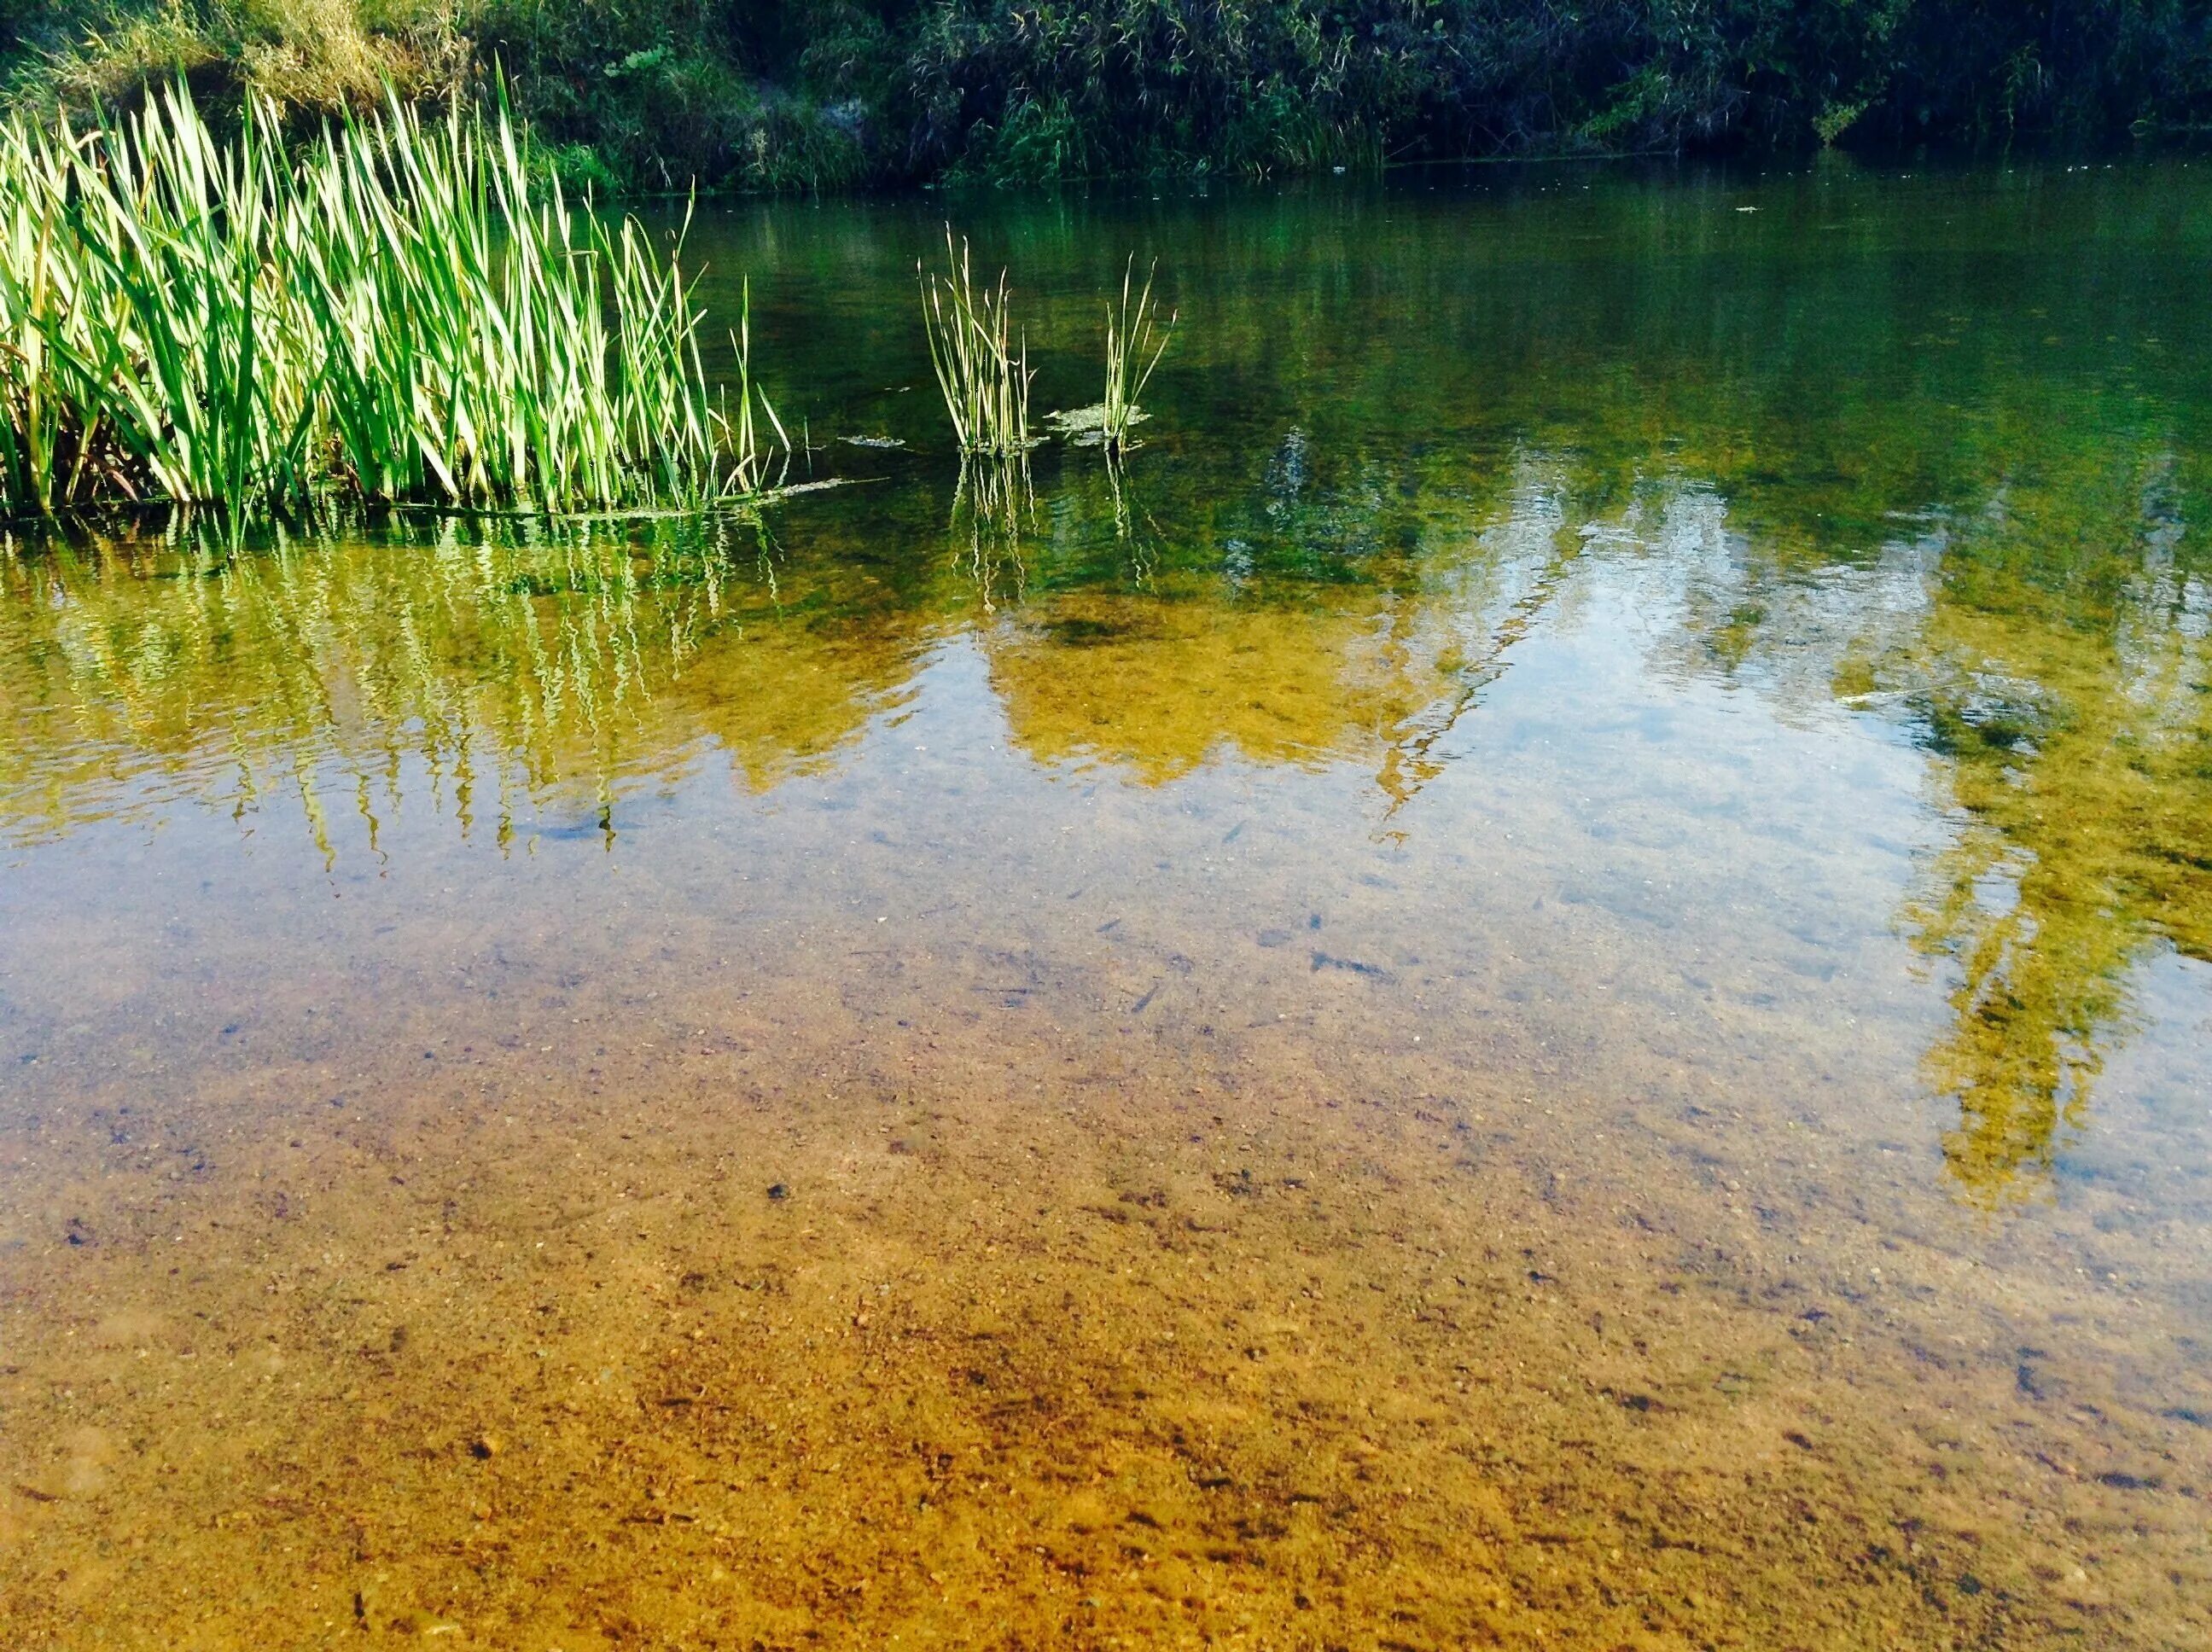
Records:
x=768, y=93
x=1015, y=88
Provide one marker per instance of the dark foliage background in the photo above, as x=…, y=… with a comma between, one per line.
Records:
x=781, y=93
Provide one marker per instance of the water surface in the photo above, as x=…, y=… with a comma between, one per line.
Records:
x=1543, y=980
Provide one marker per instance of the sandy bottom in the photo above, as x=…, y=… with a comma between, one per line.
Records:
x=810, y=1324
x=950, y=1201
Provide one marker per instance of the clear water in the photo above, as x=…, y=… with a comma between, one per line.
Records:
x=1544, y=982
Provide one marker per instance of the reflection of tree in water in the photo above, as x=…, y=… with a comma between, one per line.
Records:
x=1320, y=604
x=1339, y=609
x=2060, y=672
x=2047, y=645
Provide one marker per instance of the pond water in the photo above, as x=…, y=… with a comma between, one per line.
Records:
x=1543, y=980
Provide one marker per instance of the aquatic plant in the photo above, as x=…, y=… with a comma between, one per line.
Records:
x=754, y=470
x=403, y=312
x=983, y=375
x=1134, y=343
x=1129, y=342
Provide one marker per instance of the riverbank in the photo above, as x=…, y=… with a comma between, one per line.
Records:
x=834, y=94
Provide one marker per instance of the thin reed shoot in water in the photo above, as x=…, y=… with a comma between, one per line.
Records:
x=402, y=313
x=754, y=469
x=1134, y=345
x=1136, y=339
x=983, y=375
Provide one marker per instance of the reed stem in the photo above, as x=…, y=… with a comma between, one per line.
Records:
x=983, y=375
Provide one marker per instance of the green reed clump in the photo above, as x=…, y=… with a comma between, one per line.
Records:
x=985, y=377
x=401, y=313
x=137, y=327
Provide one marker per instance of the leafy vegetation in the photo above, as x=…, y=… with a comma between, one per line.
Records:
x=399, y=312
x=780, y=94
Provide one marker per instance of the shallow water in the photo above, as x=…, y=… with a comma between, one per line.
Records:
x=1543, y=982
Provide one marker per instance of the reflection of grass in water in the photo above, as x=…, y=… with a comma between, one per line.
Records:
x=507, y=655
x=990, y=503
x=1133, y=525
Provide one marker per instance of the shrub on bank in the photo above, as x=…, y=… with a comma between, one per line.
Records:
x=783, y=93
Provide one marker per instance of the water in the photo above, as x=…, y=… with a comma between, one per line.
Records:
x=1544, y=983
